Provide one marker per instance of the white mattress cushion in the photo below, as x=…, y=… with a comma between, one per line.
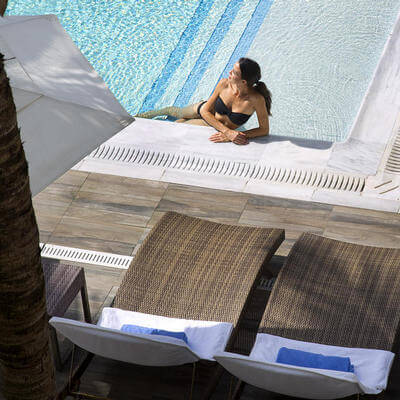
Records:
x=371, y=369
x=122, y=346
x=106, y=339
x=205, y=338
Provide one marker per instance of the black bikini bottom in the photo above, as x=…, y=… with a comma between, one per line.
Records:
x=199, y=108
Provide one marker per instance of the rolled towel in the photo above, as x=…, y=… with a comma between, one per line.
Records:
x=151, y=331
x=137, y=329
x=177, y=335
x=313, y=360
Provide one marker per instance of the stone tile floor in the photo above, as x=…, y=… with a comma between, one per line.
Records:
x=113, y=214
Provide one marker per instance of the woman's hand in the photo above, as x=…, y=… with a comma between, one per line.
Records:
x=236, y=136
x=229, y=135
x=219, y=137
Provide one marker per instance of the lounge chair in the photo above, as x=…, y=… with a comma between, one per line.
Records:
x=189, y=275
x=330, y=298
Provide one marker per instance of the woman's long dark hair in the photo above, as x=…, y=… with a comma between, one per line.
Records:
x=251, y=73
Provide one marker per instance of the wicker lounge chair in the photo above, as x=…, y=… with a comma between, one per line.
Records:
x=186, y=269
x=331, y=293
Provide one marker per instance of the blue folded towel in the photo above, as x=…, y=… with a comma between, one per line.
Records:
x=151, y=331
x=313, y=360
x=137, y=329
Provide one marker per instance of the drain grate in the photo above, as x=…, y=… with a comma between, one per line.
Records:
x=207, y=165
x=85, y=256
x=393, y=162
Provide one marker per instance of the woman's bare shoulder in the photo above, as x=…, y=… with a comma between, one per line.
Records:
x=223, y=83
x=221, y=87
x=257, y=98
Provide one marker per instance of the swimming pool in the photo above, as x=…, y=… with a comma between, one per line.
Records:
x=317, y=56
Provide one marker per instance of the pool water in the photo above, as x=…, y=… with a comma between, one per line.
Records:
x=126, y=41
x=317, y=56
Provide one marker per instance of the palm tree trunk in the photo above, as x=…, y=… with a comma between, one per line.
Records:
x=25, y=362
x=3, y=6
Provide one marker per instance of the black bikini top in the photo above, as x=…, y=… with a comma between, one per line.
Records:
x=236, y=118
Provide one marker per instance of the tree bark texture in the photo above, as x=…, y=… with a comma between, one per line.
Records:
x=3, y=6
x=25, y=363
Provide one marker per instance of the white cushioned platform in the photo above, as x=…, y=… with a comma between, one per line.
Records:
x=205, y=338
x=371, y=369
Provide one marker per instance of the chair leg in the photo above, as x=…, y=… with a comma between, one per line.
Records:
x=55, y=348
x=74, y=380
x=75, y=374
x=85, y=304
x=213, y=382
x=238, y=390
x=192, y=382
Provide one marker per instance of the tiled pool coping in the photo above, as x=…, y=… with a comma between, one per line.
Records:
x=166, y=151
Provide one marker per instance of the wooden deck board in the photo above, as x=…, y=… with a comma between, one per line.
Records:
x=114, y=214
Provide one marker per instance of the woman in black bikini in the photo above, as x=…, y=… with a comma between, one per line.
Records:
x=232, y=103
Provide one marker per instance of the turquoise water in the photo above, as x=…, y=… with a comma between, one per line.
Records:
x=317, y=56
x=127, y=42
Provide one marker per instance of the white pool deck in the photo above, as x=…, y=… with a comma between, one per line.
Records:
x=351, y=173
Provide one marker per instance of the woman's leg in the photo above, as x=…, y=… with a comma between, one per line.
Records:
x=197, y=121
x=188, y=112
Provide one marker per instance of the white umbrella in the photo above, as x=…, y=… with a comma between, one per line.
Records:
x=64, y=109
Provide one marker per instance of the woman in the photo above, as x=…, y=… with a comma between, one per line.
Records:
x=232, y=103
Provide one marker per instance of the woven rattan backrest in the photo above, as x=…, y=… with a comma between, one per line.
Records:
x=195, y=269
x=336, y=293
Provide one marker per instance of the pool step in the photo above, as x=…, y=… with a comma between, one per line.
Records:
x=234, y=45
x=393, y=162
x=193, y=71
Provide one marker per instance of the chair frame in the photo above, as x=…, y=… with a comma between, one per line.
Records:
x=272, y=238
x=60, y=292
x=395, y=347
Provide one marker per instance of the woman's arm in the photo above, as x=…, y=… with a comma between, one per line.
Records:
x=239, y=137
x=224, y=134
x=207, y=111
x=262, y=116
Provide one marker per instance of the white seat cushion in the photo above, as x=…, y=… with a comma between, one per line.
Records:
x=205, y=338
x=371, y=369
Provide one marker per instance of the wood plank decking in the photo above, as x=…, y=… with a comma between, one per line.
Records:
x=113, y=214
